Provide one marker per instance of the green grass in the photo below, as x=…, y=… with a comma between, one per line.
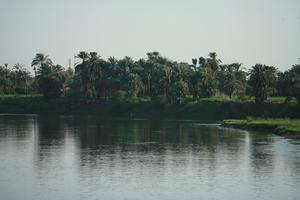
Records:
x=279, y=100
x=274, y=100
x=280, y=126
x=7, y=96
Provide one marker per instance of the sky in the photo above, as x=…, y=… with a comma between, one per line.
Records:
x=245, y=31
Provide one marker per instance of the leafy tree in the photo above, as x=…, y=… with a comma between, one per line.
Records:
x=195, y=76
x=203, y=82
x=161, y=79
x=134, y=84
x=148, y=67
x=193, y=83
x=69, y=80
x=88, y=73
x=203, y=62
x=6, y=83
x=157, y=74
x=231, y=79
x=213, y=61
x=83, y=55
x=207, y=82
x=50, y=80
x=179, y=90
x=22, y=79
x=262, y=81
x=194, y=61
x=282, y=84
x=39, y=60
x=293, y=81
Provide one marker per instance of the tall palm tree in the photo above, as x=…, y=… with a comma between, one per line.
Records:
x=113, y=61
x=262, y=79
x=155, y=54
x=39, y=60
x=82, y=55
x=214, y=61
x=194, y=61
x=202, y=62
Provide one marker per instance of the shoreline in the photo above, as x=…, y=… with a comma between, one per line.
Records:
x=288, y=128
x=201, y=110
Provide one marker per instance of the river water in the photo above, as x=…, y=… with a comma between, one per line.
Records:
x=86, y=157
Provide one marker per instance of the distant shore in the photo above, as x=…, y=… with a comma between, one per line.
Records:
x=216, y=109
x=289, y=128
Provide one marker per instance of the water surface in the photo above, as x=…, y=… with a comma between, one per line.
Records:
x=73, y=157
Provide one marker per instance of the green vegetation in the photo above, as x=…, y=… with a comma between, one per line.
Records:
x=285, y=127
x=18, y=80
x=214, y=108
x=50, y=78
x=262, y=81
x=154, y=78
x=206, y=89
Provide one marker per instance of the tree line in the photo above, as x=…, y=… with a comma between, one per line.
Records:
x=155, y=77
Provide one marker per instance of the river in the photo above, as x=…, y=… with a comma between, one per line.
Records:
x=88, y=157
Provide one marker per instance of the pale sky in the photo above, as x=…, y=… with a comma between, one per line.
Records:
x=246, y=31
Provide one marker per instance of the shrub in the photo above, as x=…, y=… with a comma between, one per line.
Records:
x=119, y=96
x=159, y=100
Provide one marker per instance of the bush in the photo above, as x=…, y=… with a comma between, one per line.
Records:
x=242, y=98
x=160, y=100
x=189, y=98
x=132, y=99
x=119, y=96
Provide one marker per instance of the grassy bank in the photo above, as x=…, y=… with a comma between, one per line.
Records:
x=214, y=108
x=284, y=127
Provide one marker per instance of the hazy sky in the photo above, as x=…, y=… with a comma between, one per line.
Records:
x=246, y=31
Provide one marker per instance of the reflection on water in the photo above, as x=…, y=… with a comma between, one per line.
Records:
x=72, y=157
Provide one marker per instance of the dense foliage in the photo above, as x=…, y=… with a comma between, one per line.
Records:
x=262, y=81
x=153, y=78
x=17, y=80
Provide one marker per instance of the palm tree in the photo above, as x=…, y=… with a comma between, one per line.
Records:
x=22, y=78
x=262, y=80
x=134, y=84
x=231, y=79
x=90, y=73
x=51, y=80
x=194, y=61
x=94, y=56
x=113, y=61
x=156, y=54
x=82, y=55
x=202, y=62
x=39, y=60
x=153, y=55
x=214, y=61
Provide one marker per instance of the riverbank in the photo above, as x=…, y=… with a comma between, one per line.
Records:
x=289, y=128
x=205, y=109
